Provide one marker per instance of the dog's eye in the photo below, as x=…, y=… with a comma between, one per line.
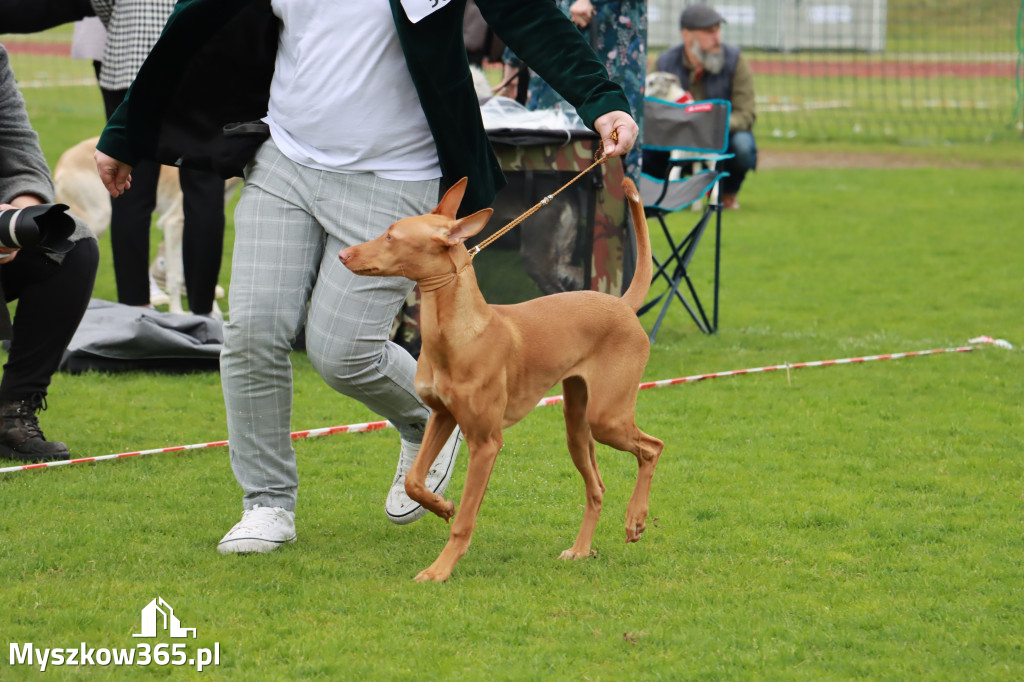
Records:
x=387, y=236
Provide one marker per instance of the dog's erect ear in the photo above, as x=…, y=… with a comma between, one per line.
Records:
x=449, y=205
x=467, y=227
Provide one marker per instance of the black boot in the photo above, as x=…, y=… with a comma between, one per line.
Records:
x=20, y=435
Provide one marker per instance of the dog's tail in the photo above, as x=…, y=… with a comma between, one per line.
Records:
x=641, y=284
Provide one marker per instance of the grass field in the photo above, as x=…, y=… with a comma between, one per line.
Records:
x=861, y=521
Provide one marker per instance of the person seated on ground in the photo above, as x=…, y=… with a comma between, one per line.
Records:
x=52, y=288
x=131, y=30
x=709, y=69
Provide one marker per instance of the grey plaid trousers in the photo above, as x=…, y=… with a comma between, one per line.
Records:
x=290, y=223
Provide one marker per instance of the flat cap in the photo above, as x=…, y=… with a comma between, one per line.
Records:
x=700, y=16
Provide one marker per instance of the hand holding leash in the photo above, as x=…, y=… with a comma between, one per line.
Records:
x=618, y=130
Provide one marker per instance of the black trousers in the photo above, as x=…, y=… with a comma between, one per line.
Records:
x=202, y=242
x=52, y=298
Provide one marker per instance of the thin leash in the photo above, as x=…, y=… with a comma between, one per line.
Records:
x=599, y=158
x=436, y=282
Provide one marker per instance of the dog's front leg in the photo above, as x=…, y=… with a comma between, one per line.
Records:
x=439, y=427
x=482, y=453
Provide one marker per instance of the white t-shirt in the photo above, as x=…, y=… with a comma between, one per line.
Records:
x=342, y=98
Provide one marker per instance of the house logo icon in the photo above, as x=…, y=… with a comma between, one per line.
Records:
x=159, y=612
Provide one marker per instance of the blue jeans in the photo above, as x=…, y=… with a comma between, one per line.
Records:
x=741, y=143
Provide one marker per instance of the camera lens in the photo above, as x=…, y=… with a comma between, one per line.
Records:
x=18, y=228
x=46, y=227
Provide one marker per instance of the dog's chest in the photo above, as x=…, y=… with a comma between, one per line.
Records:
x=441, y=385
x=431, y=385
x=429, y=395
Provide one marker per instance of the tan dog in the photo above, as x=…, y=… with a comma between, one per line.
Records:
x=77, y=184
x=486, y=367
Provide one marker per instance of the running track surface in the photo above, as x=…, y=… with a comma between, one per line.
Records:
x=812, y=67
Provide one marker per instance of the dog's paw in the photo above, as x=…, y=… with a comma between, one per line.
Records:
x=634, y=530
x=635, y=527
x=447, y=510
x=572, y=555
x=430, y=575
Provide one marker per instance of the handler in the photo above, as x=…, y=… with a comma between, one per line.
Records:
x=371, y=113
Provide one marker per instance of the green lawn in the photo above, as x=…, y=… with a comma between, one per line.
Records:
x=852, y=522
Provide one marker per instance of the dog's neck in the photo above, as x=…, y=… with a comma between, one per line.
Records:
x=459, y=259
x=452, y=309
x=435, y=282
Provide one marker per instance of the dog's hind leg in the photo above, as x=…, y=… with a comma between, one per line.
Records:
x=484, y=443
x=582, y=448
x=612, y=423
x=647, y=457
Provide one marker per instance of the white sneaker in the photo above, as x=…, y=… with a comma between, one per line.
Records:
x=262, y=529
x=402, y=509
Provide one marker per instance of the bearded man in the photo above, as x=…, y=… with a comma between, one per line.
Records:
x=709, y=69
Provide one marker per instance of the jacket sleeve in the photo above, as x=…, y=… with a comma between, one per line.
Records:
x=30, y=16
x=114, y=140
x=23, y=168
x=545, y=39
x=743, y=113
x=211, y=66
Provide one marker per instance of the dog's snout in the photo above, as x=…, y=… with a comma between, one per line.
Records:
x=345, y=254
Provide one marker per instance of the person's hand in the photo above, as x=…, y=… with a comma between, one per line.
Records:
x=7, y=253
x=581, y=12
x=624, y=127
x=115, y=175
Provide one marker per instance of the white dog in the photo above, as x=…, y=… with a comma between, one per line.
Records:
x=77, y=184
x=666, y=86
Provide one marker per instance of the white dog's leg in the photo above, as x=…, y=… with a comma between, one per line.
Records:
x=172, y=223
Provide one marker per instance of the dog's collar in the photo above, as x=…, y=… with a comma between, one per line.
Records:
x=436, y=282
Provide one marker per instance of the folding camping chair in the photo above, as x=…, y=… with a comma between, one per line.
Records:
x=695, y=135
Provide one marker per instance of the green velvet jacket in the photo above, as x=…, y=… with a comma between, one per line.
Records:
x=214, y=61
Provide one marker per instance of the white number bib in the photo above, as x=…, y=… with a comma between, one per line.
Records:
x=418, y=9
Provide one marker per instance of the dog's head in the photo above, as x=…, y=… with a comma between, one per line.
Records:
x=663, y=85
x=418, y=247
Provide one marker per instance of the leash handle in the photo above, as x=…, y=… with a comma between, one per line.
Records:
x=599, y=158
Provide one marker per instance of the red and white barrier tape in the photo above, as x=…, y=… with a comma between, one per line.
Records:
x=311, y=433
x=551, y=400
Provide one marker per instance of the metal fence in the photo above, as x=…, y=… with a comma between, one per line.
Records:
x=923, y=71
x=901, y=70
